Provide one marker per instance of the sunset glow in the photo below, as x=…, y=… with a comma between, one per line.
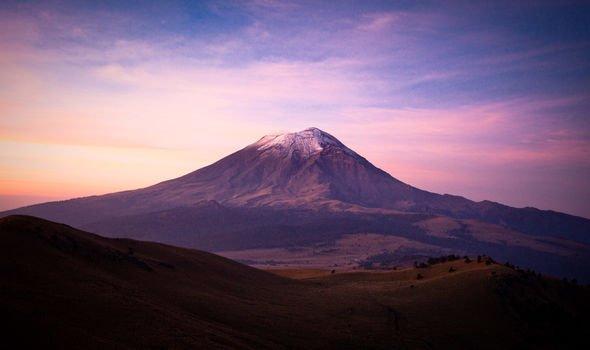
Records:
x=487, y=103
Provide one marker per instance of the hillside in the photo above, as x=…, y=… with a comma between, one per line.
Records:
x=73, y=289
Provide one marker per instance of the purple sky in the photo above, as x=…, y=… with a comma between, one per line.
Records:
x=485, y=101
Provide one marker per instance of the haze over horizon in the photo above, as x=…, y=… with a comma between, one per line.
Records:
x=483, y=101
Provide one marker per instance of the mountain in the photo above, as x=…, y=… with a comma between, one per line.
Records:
x=308, y=169
x=304, y=188
x=69, y=289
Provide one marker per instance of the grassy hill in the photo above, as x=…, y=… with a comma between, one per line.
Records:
x=65, y=288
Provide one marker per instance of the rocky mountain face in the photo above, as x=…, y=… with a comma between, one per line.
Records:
x=308, y=169
x=299, y=188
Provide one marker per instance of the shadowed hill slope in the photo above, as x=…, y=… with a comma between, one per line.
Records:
x=72, y=289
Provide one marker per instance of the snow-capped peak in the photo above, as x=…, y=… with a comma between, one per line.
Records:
x=306, y=143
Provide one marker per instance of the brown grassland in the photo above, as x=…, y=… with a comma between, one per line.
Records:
x=65, y=288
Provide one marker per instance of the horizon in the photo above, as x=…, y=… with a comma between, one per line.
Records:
x=488, y=102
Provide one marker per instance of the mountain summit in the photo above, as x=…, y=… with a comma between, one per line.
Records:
x=306, y=169
x=303, y=144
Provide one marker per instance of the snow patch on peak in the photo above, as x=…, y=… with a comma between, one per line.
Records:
x=306, y=143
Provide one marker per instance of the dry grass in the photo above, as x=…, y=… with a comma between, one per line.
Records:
x=64, y=288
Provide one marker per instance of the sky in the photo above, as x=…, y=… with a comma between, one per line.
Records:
x=487, y=101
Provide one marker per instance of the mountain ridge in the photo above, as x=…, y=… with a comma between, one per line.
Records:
x=321, y=173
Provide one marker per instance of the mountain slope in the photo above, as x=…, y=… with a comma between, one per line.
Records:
x=297, y=190
x=68, y=289
x=308, y=169
x=264, y=235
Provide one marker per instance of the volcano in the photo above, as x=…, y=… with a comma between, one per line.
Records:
x=307, y=169
x=307, y=188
